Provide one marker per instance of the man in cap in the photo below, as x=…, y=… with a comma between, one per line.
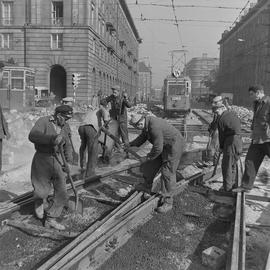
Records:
x=4, y=133
x=167, y=149
x=119, y=105
x=46, y=171
x=260, y=145
x=230, y=142
x=67, y=101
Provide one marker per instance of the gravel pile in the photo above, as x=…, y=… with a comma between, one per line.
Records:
x=243, y=113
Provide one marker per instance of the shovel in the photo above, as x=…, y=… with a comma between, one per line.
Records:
x=69, y=176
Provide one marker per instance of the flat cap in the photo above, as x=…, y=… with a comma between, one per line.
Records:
x=67, y=99
x=116, y=87
x=64, y=110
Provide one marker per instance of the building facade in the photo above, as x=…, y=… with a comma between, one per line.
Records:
x=96, y=38
x=244, y=53
x=145, y=82
x=198, y=69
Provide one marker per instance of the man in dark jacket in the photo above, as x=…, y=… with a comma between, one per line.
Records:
x=119, y=105
x=46, y=171
x=167, y=149
x=230, y=142
x=260, y=145
x=3, y=134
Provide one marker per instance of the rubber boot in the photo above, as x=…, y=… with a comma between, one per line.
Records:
x=166, y=206
x=51, y=222
x=39, y=208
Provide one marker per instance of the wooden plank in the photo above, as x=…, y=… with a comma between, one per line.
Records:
x=130, y=221
x=264, y=198
x=130, y=203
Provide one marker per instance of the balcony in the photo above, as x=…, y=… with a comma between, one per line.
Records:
x=58, y=21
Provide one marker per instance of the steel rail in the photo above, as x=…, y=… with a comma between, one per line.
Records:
x=95, y=245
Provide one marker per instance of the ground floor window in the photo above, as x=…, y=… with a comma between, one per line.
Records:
x=57, y=41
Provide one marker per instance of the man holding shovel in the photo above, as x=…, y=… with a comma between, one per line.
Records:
x=46, y=171
x=230, y=142
x=165, y=155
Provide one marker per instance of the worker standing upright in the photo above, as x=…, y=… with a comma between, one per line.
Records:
x=46, y=171
x=119, y=105
x=165, y=155
x=260, y=145
x=230, y=142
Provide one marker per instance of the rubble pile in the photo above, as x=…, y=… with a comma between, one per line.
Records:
x=244, y=114
x=140, y=109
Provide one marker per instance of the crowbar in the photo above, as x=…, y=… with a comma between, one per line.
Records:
x=117, y=140
x=69, y=176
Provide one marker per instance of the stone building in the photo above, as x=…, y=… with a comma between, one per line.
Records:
x=198, y=69
x=96, y=38
x=145, y=82
x=244, y=53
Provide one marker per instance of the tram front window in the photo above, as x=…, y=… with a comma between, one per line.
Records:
x=176, y=90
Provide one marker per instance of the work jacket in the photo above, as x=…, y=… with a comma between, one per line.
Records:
x=229, y=125
x=261, y=121
x=162, y=135
x=43, y=135
x=119, y=107
x=3, y=125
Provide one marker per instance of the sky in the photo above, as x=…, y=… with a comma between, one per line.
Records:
x=159, y=37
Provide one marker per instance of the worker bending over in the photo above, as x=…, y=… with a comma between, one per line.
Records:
x=47, y=171
x=230, y=142
x=167, y=149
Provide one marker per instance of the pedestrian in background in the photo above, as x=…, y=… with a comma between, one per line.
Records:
x=260, y=144
x=165, y=155
x=46, y=171
x=230, y=143
x=4, y=134
x=119, y=105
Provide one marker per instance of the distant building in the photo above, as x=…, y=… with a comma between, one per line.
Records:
x=156, y=94
x=198, y=69
x=145, y=81
x=97, y=39
x=244, y=53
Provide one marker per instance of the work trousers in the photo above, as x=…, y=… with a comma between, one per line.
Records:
x=1, y=153
x=123, y=131
x=166, y=163
x=47, y=172
x=231, y=152
x=253, y=161
x=89, y=140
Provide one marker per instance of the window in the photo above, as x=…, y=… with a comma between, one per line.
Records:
x=57, y=13
x=7, y=13
x=4, y=81
x=6, y=41
x=92, y=15
x=56, y=41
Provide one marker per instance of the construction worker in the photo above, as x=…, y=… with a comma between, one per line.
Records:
x=46, y=171
x=89, y=139
x=213, y=144
x=230, y=143
x=119, y=105
x=260, y=145
x=67, y=101
x=4, y=133
x=164, y=156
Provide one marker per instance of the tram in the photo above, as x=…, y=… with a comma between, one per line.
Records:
x=17, y=87
x=176, y=95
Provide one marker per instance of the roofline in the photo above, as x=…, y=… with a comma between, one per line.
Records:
x=251, y=11
x=130, y=20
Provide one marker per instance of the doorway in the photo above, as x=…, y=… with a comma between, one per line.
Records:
x=58, y=82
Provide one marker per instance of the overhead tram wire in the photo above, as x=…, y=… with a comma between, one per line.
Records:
x=182, y=20
x=186, y=6
x=176, y=22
